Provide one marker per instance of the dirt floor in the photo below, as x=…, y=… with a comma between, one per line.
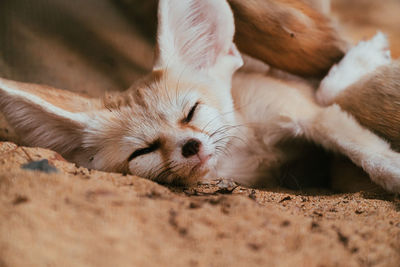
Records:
x=73, y=216
x=79, y=217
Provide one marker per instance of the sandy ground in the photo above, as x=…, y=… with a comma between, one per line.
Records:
x=81, y=217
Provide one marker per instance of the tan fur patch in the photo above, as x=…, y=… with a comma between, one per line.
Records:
x=134, y=94
x=193, y=128
x=287, y=34
x=375, y=102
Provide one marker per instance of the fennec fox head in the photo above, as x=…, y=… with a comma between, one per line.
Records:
x=171, y=126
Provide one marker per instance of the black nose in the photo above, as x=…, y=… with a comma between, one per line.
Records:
x=191, y=148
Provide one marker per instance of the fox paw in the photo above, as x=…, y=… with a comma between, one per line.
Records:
x=359, y=61
x=385, y=171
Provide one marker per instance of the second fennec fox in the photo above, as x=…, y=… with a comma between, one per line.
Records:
x=366, y=84
x=191, y=117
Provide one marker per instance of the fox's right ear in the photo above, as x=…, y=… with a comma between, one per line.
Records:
x=196, y=34
x=46, y=117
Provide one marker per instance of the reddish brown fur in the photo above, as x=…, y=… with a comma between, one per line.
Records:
x=375, y=102
x=193, y=128
x=287, y=34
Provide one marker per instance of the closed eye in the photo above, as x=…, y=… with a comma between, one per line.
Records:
x=190, y=115
x=143, y=151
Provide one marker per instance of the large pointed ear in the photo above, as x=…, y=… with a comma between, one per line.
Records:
x=46, y=117
x=196, y=34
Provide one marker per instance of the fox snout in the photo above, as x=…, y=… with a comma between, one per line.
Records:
x=194, y=147
x=191, y=147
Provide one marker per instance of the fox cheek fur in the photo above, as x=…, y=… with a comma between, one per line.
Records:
x=175, y=122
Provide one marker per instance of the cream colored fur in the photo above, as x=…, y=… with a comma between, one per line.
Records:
x=238, y=124
x=359, y=61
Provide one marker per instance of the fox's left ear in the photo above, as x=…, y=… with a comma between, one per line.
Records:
x=197, y=34
x=47, y=117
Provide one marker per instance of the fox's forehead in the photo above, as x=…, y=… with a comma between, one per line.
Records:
x=163, y=97
x=151, y=106
x=162, y=93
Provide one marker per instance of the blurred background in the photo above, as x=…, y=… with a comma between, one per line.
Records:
x=361, y=19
